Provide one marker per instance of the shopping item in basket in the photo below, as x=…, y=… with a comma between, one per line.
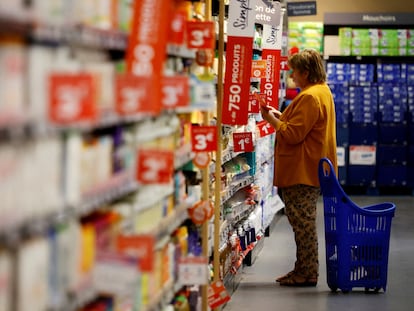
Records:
x=357, y=238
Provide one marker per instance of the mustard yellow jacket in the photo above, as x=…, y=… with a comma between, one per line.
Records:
x=306, y=134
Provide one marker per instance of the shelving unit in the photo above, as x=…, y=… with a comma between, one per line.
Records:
x=119, y=193
x=73, y=190
x=384, y=131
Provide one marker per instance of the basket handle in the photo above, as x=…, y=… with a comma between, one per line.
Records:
x=324, y=171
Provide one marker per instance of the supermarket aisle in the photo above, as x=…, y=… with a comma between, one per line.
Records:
x=258, y=290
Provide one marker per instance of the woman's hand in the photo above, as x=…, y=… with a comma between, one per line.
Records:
x=269, y=113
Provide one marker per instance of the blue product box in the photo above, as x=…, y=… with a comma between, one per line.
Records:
x=410, y=155
x=361, y=175
x=410, y=176
x=363, y=133
x=392, y=154
x=342, y=134
x=411, y=132
x=392, y=133
x=392, y=175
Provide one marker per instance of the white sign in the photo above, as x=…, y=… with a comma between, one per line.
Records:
x=272, y=35
x=340, y=156
x=267, y=12
x=193, y=271
x=362, y=155
x=241, y=18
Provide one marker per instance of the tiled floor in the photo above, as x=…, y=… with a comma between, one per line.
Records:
x=258, y=291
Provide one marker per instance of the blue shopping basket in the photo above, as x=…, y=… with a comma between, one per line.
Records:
x=357, y=238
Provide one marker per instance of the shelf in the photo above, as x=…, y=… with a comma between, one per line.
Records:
x=236, y=186
x=113, y=189
x=370, y=59
x=75, y=35
x=116, y=188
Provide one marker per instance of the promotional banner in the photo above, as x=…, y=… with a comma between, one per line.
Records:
x=271, y=53
x=147, y=44
x=239, y=52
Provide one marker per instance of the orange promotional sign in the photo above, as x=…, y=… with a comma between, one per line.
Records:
x=155, y=166
x=147, y=45
x=201, y=35
x=201, y=212
x=134, y=95
x=72, y=98
x=258, y=68
x=175, y=91
x=138, y=246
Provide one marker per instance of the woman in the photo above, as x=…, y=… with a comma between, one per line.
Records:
x=305, y=133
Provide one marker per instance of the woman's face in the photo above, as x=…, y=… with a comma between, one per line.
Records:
x=300, y=78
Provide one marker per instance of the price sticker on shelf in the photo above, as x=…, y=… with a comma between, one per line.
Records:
x=155, y=166
x=243, y=142
x=217, y=294
x=177, y=28
x=193, y=270
x=265, y=128
x=201, y=35
x=134, y=95
x=201, y=159
x=138, y=246
x=175, y=91
x=201, y=212
x=253, y=104
x=72, y=98
x=204, y=138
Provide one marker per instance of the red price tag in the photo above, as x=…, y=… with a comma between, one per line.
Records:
x=155, y=166
x=284, y=63
x=72, y=98
x=175, y=91
x=217, y=295
x=243, y=142
x=204, y=138
x=134, y=95
x=200, y=35
x=265, y=128
x=177, y=28
x=138, y=246
x=253, y=104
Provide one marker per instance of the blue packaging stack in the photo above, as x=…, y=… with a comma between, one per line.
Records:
x=410, y=125
x=374, y=105
x=340, y=92
x=362, y=73
x=392, y=151
x=363, y=131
